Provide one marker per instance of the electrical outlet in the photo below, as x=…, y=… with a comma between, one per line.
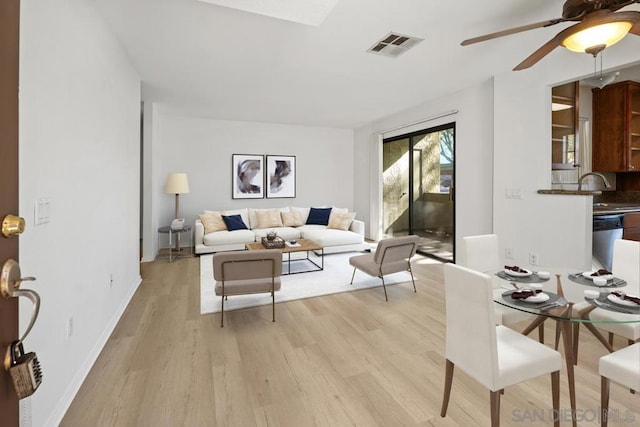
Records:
x=508, y=253
x=69, y=328
x=533, y=258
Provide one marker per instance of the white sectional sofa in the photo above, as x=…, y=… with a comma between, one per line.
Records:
x=334, y=237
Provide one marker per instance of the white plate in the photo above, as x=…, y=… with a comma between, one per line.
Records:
x=588, y=275
x=617, y=300
x=518, y=274
x=539, y=297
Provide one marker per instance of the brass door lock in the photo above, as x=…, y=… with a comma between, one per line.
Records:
x=12, y=225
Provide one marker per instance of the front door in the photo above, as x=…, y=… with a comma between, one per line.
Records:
x=9, y=48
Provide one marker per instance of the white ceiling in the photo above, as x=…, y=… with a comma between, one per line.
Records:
x=231, y=64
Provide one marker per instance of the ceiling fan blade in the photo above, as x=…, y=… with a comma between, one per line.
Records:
x=512, y=31
x=635, y=29
x=538, y=54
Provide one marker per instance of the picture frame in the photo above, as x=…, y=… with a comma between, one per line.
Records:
x=281, y=177
x=247, y=176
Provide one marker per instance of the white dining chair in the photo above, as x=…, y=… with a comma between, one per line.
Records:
x=626, y=265
x=482, y=253
x=493, y=355
x=622, y=367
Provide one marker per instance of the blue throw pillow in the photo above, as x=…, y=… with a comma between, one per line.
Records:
x=234, y=222
x=319, y=216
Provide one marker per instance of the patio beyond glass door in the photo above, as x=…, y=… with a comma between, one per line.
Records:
x=418, y=189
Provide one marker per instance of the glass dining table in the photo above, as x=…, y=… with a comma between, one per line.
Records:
x=561, y=297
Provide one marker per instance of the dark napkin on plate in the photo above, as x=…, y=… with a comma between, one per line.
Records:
x=627, y=297
x=525, y=293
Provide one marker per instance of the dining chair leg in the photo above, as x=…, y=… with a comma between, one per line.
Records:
x=495, y=408
x=555, y=397
x=448, y=380
x=604, y=400
x=273, y=306
x=353, y=275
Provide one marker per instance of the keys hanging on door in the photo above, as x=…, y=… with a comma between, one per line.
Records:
x=24, y=367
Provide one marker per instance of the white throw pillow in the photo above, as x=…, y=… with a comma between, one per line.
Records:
x=341, y=220
x=212, y=222
x=303, y=212
x=268, y=218
x=253, y=218
x=291, y=219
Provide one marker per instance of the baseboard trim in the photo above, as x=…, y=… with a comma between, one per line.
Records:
x=70, y=393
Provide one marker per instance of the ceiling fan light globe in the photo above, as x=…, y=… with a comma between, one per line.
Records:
x=599, y=35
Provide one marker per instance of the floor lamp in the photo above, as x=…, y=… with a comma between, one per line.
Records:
x=177, y=183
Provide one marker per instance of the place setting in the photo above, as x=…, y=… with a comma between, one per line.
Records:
x=617, y=301
x=522, y=275
x=601, y=278
x=533, y=296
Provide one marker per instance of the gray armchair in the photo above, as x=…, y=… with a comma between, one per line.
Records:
x=247, y=272
x=392, y=255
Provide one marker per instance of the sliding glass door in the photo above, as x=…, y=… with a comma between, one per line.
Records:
x=418, y=189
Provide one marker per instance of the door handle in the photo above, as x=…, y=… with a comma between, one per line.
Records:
x=10, y=281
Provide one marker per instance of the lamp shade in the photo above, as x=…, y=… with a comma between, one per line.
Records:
x=177, y=183
x=603, y=35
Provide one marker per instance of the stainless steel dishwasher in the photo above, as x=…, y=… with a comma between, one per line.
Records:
x=606, y=229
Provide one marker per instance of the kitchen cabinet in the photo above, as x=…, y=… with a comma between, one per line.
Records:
x=616, y=128
x=631, y=230
x=564, y=126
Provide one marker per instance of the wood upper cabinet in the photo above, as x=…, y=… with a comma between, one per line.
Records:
x=564, y=126
x=616, y=128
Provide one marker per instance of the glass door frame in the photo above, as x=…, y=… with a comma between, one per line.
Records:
x=410, y=191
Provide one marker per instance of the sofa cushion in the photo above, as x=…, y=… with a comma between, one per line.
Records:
x=268, y=218
x=244, y=213
x=319, y=216
x=341, y=220
x=212, y=222
x=291, y=219
x=331, y=237
x=287, y=233
x=220, y=238
x=253, y=215
x=234, y=222
x=303, y=212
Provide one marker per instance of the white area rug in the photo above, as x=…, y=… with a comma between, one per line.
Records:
x=333, y=279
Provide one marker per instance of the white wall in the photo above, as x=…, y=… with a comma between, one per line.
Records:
x=203, y=147
x=79, y=148
x=473, y=162
x=555, y=227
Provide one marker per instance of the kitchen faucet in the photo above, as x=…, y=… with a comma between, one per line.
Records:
x=604, y=179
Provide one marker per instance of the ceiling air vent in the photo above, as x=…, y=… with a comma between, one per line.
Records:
x=394, y=44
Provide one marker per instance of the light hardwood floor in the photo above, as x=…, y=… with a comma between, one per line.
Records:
x=348, y=359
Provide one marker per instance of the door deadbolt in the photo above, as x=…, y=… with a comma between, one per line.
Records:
x=12, y=225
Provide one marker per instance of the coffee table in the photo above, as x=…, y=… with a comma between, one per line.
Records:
x=305, y=245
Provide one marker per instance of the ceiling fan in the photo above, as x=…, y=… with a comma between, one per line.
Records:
x=599, y=26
